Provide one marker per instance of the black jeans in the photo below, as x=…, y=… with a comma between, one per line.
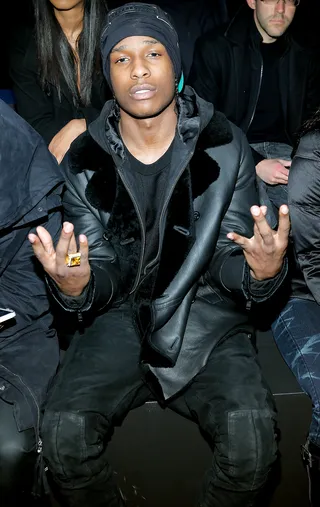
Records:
x=101, y=380
x=17, y=459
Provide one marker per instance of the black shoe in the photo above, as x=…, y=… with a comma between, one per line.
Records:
x=311, y=459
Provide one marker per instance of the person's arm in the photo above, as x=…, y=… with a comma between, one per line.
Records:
x=304, y=204
x=32, y=103
x=22, y=284
x=95, y=283
x=247, y=268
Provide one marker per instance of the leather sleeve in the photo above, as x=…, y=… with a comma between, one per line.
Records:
x=104, y=284
x=228, y=268
x=304, y=205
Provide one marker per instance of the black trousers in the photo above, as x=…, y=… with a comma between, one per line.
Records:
x=101, y=380
x=17, y=459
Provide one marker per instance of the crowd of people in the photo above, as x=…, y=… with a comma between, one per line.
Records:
x=160, y=192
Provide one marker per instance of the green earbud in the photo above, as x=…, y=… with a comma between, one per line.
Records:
x=181, y=83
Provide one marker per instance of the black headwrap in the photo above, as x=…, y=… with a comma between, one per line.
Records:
x=139, y=19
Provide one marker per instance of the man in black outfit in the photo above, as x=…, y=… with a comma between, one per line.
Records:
x=159, y=190
x=265, y=83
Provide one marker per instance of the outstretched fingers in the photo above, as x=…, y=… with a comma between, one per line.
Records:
x=284, y=224
x=42, y=245
x=84, y=248
x=262, y=228
x=242, y=241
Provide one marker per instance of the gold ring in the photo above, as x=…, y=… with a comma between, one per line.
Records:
x=73, y=259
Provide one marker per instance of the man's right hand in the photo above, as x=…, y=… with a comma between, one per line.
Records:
x=70, y=280
x=273, y=171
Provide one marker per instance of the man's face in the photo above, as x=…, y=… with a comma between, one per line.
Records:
x=142, y=76
x=272, y=21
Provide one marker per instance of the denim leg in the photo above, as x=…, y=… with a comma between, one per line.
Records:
x=297, y=334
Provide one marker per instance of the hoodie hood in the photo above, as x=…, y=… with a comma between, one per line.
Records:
x=28, y=171
x=194, y=114
x=198, y=124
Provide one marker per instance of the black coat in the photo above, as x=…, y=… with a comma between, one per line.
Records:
x=30, y=188
x=200, y=274
x=44, y=110
x=304, y=204
x=227, y=71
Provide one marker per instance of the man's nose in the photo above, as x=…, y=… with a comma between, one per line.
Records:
x=281, y=6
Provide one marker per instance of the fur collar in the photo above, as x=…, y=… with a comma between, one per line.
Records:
x=86, y=153
x=101, y=189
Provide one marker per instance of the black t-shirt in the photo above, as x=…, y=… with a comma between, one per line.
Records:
x=152, y=180
x=268, y=122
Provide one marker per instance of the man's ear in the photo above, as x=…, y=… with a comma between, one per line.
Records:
x=252, y=4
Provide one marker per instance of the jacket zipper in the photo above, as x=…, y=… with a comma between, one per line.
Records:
x=142, y=229
x=37, y=429
x=258, y=95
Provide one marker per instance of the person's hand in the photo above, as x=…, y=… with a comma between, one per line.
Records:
x=70, y=280
x=61, y=142
x=273, y=171
x=265, y=251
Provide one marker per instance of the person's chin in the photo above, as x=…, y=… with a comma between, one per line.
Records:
x=277, y=31
x=144, y=111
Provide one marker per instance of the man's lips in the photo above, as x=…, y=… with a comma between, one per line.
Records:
x=142, y=92
x=277, y=21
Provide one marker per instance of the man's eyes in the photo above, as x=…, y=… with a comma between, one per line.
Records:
x=123, y=59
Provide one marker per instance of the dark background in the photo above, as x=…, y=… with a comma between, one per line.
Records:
x=306, y=25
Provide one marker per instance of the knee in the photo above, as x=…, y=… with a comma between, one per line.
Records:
x=246, y=449
x=16, y=456
x=11, y=453
x=74, y=444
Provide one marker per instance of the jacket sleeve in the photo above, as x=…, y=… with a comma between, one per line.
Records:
x=228, y=268
x=105, y=275
x=205, y=70
x=32, y=103
x=304, y=205
x=22, y=284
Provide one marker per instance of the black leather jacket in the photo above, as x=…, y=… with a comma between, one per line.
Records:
x=202, y=281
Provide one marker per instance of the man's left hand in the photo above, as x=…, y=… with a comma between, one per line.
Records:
x=265, y=251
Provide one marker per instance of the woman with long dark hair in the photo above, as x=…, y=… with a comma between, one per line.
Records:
x=55, y=70
x=297, y=329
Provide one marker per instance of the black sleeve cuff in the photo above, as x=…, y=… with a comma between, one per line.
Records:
x=262, y=290
x=73, y=303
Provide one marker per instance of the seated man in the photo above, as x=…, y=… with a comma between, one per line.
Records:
x=30, y=188
x=263, y=81
x=161, y=292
